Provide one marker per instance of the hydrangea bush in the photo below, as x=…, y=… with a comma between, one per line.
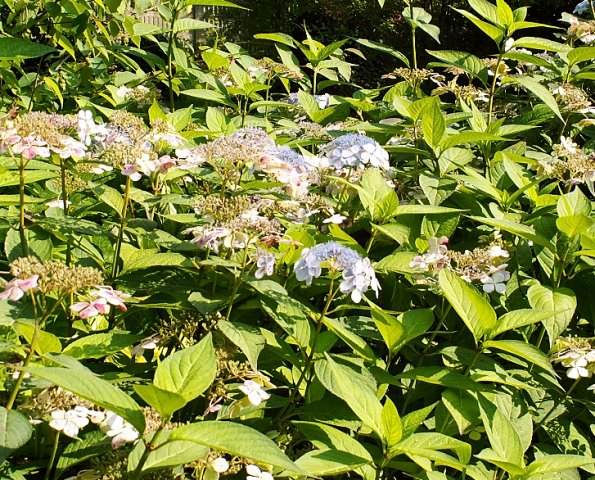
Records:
x=217, y=266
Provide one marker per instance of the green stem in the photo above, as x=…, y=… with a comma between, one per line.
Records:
x=48, y=470
x=315, y=81
x=21, y=377
x=413, y=39
x=493, y=87
x=170, y=55
x=478, y=352
x=237, y=282
x=149, y=447
x=555, y=405
x=38, y=325
x=24, y=244
x=310, y=357
x=65, y=208
x=424, y=352
x=371, y=240
x=35, y=84
x=122, y=227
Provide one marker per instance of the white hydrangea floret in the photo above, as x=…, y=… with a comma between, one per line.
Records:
x=254, y=391
x=255, y=473
x=69, y=422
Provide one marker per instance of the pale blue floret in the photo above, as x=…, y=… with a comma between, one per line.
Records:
x=355, y=150
x=289, y=156
x=358, y=273
x=582, y=7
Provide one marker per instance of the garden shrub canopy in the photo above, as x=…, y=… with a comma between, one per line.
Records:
x=331, y=255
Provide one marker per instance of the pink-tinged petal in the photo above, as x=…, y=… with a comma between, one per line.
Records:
x=28, y=283
x=90, y=311
x=79, y=306
x=16, y=294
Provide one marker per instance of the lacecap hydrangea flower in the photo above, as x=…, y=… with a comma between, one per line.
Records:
x=358, y=273
x=355, y=150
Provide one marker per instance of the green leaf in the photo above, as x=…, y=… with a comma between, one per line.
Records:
x=463, y=60
x=215, y=3
x=562, y=301
x=355, y=342
x=468, y=137
x=423, y=444
x=99, y=345
x=425, y=210
x=538, y=90
x=433, y=125
x=40, y=244
x=391, y=425
x=89, y=445
x=286, y=311
x=276, y=37
x=325, y=437
x=540, y=44
x=15, y=429
x=164, y=401
x=520, y=176
x=345, y=383
x=486, y=9
x=168, y=454
x=505, y=14
x=143, y=260
x=503, y=437
x=216, y=121
x=19, y=48
x=581, y=54
x=435, y=188
x=46, y=342
x=111, y=197
x=435, y=375
x=144, y=29
x=236, y=439
x=184, y=24
x=399, y=233
x=246, y=337
x=413, y=420
x=519, y=318
x=419, y=18
x=329, y=462
x=381, y=47
x=555, y=463
x=397, y=262
x=372, y=190
x=523, y=350
x=389, y=327
x=492, y=31
x=524, y=231
x=573, y=203
x=209, y=95
x=473, y=308
x=90, y=387
x=462, y=407
x=574, y=225
x=188, y=372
